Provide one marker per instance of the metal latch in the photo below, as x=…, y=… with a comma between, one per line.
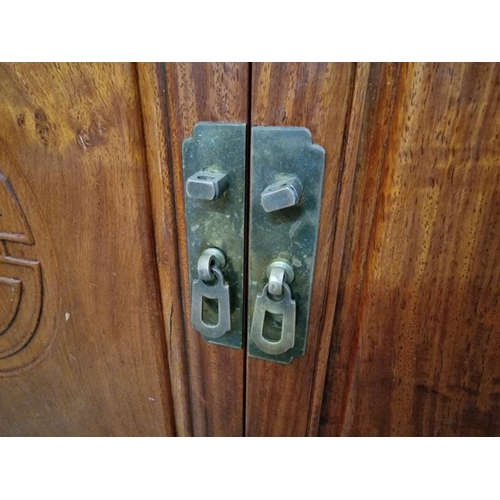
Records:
x=286, y=186
x=214, y=175
x=286, y=178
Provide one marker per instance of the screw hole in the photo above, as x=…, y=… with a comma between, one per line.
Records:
x=205, y=177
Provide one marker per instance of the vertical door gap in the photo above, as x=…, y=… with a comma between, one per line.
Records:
x=247, y=240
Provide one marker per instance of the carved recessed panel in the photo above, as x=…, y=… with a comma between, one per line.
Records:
x=27, y=318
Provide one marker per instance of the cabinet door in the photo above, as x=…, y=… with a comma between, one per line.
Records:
x=82, y=346
x=207, y=379
x=403, y=334
x=282, y=400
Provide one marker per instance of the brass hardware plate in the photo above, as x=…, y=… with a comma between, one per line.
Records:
x=289, y=234
x=215, y=212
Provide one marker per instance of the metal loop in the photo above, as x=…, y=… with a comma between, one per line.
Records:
x=209, y=258
x=276, y=279
x=278, y=273
x=205, y=264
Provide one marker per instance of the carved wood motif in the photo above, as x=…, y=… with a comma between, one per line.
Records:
x=21, y=287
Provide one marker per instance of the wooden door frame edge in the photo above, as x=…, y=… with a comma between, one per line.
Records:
x=352, y=139
x=154, y=106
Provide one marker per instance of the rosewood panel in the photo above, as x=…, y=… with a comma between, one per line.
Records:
x=82, y=346
x=416, y=342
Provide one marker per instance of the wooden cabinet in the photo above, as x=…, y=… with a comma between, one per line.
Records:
x=95, y=331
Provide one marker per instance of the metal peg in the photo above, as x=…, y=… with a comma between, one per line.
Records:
x=282, y=194
x=206, y=185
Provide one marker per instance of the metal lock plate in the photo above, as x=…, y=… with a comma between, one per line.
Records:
x=214, y=180
x=285, y=226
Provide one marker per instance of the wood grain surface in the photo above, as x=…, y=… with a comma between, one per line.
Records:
x=416, y=342
x=95, y=336
x=72, y=150
x=204, y=92
x=317, y=96
x=161, y=182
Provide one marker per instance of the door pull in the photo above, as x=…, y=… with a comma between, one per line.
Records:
x=211, y=285
x=275, y=299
